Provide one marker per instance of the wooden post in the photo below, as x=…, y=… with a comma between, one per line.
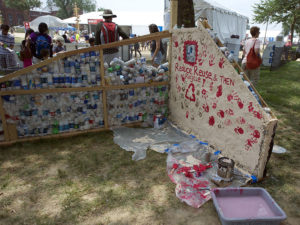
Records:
x=105, y=115
x=77, y=17
x=174, y=13
x=4, y=124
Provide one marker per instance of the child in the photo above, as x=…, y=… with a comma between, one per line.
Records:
x=156, y=47
x=92, y=42
x=59, y=42
x=25, y=53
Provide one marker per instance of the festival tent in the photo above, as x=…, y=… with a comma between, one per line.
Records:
x=54, y=23
x=225, y=22
x=139, y=21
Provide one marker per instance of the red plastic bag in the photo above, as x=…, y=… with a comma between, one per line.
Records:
x=253, y=60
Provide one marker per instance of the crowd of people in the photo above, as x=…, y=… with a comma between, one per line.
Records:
x=39, y=45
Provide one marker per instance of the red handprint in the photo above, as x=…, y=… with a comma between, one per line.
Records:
x=221, y=63
x=221, y=113
x=204, y=50
x=200, y=59
x=204, y=93
x=239, y=130
x=211, y=60
x=205, y=107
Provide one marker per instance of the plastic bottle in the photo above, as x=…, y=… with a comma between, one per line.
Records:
x=55, y=80
x=68, y=80
x=24, y=82
x=231, y=56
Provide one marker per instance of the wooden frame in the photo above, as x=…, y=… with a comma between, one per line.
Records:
x=103, y=87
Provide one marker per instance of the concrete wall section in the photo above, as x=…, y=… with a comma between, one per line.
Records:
x=210, y=100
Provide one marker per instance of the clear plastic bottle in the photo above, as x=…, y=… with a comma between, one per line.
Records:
x=231, y=56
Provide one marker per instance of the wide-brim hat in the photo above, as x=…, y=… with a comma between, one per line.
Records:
x=108, y=13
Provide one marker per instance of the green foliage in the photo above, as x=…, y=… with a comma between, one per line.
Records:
x=278, y=11
x=66, y=7
x=22, y=5
x=286, y=28
x=100, y=9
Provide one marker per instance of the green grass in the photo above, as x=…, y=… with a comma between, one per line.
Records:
x=89, y=180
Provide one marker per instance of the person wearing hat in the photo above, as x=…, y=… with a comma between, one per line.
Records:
x=107, y=32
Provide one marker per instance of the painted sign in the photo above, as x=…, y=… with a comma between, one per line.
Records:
x=209, y=99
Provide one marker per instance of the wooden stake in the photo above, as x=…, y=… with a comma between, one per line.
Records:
x=4, y=124
x=104, y=97
x=174, y=13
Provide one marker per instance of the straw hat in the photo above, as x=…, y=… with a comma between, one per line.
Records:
x=59, y=38
x=108, y=13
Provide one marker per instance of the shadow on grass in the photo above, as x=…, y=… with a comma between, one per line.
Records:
x=70, y=181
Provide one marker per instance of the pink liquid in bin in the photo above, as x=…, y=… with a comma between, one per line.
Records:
x=246, y=206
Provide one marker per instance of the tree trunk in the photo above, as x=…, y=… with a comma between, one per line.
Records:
x=292, y=29
x=186, y=14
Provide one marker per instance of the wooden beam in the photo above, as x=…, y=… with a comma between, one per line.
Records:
x=104, y=94
x=64, y=135
x=81, y=89
x=130, y=86
x=174, y=13
x=53, y=90
x=60, y=135
x=3, y=119
x=149, y=37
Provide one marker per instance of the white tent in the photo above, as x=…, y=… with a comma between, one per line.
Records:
x=139, y=21
x=224, y=21
x=54, y=23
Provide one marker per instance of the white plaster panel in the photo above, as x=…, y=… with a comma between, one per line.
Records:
x=209, y=99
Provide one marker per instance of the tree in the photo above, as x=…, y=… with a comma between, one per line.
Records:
x=66, y=7
x=186, y=15
x=278, y=11
x=100, y=9
x=24, y=5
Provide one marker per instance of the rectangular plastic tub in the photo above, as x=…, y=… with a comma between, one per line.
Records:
x=246, y=206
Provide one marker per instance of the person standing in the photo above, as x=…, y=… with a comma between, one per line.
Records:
x=107, y=32
x=137, y=48
x=252, y=74
x=156, y=47
x=41, y=43
x=59, y=45
x=7, y=42
x=25, y=53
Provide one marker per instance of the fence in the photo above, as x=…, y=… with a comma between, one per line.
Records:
x=77, y=92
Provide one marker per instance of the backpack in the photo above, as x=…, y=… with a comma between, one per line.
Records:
x=253, y=60
x=109, y=33
x=41, y=43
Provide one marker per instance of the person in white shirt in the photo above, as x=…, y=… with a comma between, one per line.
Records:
x=7, y=42
x=252, y=74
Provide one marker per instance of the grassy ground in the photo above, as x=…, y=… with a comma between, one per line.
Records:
x=90, y=180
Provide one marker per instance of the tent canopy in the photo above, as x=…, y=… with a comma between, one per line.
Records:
x=123, y=18
x=225, y=22
x=54, y=23
x=139, y=21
